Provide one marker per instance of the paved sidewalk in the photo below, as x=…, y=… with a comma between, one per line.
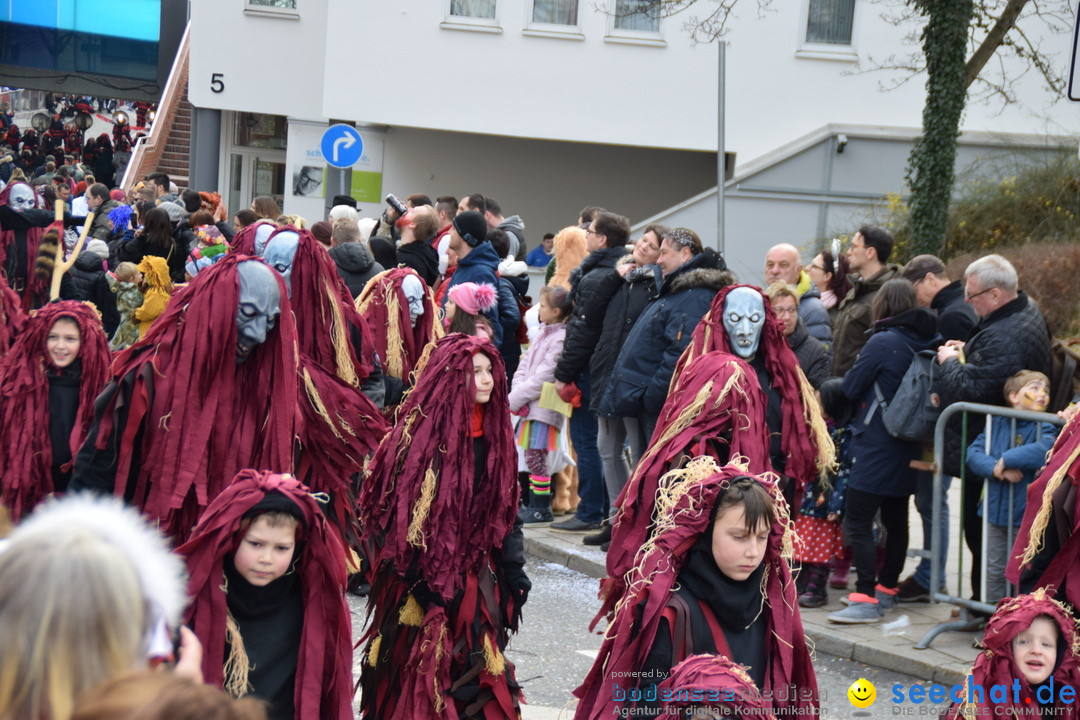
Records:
x=947, y=661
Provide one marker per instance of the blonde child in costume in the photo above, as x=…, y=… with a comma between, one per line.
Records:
x=156, y=287
x=125, y=284
x=1031, y=652
x=538, y=433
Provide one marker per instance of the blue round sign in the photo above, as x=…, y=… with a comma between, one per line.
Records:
x=342, y=146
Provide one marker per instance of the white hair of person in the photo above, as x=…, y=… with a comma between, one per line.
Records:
x=993, y=271
x=342, y=211
x=85, y=588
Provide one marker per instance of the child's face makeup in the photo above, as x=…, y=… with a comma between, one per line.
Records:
x=265, y=553
x=548, y=315
x=1034, y=396
x=737, y=551
x=1035, y=650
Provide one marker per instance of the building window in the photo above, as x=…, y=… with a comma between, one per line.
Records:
x=484, y=9
x=829, y=21
x=555, y=12
x=637, y=15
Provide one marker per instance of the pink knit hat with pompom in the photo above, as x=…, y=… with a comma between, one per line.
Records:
x=473, y=298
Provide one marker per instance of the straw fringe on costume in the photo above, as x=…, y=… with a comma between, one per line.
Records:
x=684, y=504
x=398, y=343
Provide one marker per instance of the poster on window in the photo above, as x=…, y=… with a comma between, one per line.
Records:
x=306, y=181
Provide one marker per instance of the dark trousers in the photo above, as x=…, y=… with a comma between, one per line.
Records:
x=583, y=430
x=973, y=531
x=859, y=528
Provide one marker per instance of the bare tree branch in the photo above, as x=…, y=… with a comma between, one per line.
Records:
x=1005, y=22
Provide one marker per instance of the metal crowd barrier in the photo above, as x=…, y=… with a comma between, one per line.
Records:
x=966, y=620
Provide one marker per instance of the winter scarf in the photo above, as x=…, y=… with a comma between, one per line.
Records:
x=684, y=504
x=324, y=664
x=25, y=447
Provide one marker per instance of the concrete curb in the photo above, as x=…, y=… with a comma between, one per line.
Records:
x=946, y=662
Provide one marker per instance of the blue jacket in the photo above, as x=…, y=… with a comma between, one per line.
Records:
x=880, y=462
x=639, y=382
x=480, y=266
x=1026, y=450
x=813, y=313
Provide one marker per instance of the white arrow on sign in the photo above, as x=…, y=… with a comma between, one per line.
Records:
x=346, y=141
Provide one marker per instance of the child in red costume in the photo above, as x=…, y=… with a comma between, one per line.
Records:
x=1032, y=652
x=268, y=598
x=439, y=516
x=48, y=383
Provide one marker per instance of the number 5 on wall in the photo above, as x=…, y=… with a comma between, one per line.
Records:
x=217, y=82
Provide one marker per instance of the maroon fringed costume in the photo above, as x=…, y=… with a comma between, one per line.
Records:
x=683, y=520
x=996, y=664
x=386, y=309
x=26, y=373
x=804, y=439
x=712, y=681
x=439, y=512
x=20, y=235
x=12, y=316
x=341, y=425
x=180, y=417
x=715, y=408
x=1047, y=546
x=323, y=687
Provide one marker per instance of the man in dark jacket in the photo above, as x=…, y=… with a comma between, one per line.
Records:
x=956, y=318
x=355, y=263
x=1011, y=336
x=606, y=241
x=477, y=261
x=89, y=284
x=414, y=250
x=814, y=358
x=639, y=383
x=868, y=255
x=98, y=200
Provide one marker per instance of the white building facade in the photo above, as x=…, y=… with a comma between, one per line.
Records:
x=550, y=105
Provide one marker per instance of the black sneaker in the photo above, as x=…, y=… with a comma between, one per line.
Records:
x=575, y=524
x=534, y=515
x=605, y=546
x=910, y=591
x=604, y=536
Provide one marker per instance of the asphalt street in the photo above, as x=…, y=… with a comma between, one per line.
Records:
x=554, y=651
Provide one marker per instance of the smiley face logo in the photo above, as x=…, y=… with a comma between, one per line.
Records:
x=862, y=693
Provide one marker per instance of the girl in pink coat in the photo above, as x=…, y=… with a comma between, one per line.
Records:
x=538, y=433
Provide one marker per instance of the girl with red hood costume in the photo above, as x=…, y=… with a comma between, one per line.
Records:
x=439, y=512
x=1008, y=664
x=48, y=385
x=195, y=401
x=289, y=637
x=681, y=602
x=801, y=448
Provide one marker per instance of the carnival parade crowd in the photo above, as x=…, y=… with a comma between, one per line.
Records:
x=214, y=425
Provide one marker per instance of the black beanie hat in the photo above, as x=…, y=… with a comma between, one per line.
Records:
x=471, y=226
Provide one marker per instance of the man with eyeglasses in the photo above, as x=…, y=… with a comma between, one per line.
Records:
x=782, y=264
x=956, y=318
x=868, y=255
x=605, y=239
x=1011, y=336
